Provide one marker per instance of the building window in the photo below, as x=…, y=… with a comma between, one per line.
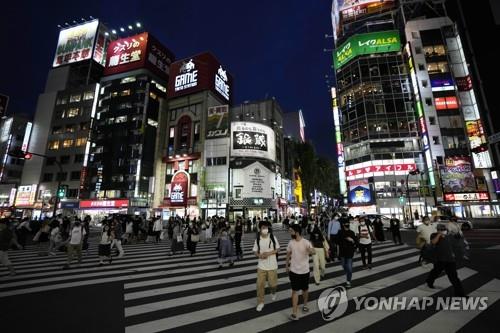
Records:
x=57, y=130
x=128, y=79
x=184, y=131
x=435, y=140
x=75, y=98
x=114, y=94
x=421, y=67
x=47, y=177
x=418, y=50
x=79, y=158
x=75, y=175
x=81, y=142
x=428, y=101
x=432, y=120
x=237, y=193
x=72, y=193
x=153, y=95
x=70, y=128
x=125, y=92
x=64, y=159
x=424, y=83
x=62, y=176
x=50, y=160
x=68, y=143
x=88, y=95
x=121, y=119
x=54, y=145
x=213, y=161
x=72, y=112
x=197, y=131
x=84, y=126
x=414, y=34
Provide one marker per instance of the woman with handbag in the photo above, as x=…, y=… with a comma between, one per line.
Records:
x=319, y=258
x=177, y=241
x=193, y=237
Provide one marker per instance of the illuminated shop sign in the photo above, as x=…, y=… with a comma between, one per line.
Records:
x=445, y=103
x=75, y=43
x=364, y=44
x=360, y=192
x=472, y=196
x=380, y=168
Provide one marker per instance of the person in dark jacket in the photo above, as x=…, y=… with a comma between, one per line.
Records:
x=238, y=234
x=347, y=246
x=395, y=226
x=5, y=240
x=378, y=226
x=319, y=258
x=445, y=260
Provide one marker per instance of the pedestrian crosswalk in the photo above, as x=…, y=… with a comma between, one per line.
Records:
x=180, y=293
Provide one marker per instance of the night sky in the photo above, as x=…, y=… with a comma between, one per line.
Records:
x=272, y=48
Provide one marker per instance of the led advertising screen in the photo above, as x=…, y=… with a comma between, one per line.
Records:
x=217, y=122
x=252, y=140
x=457, y=175
x=352, y=10
x=75, y=43
x=446, y=103
x=364, y=44
x=198, y=73
x=360, y=192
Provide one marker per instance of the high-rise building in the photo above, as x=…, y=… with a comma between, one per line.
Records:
x=15, y=132
x=409, y=130
x=191, y=164
x=64, y=113
x=131, y=104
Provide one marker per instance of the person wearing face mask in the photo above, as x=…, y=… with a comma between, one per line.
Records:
x=365, y=242
x=424, y=232
x=319, y=258
x=74, y=246
x=347, y=246
x=444, y=260
x=265, y=248
x=193, y=237
x=297, y=267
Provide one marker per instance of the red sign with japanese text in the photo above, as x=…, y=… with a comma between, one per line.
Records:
x=139, y=51
x=391, y=168
x=118, y=203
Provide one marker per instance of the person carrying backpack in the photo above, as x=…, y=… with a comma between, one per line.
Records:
x=365, y=242
x=266, y=247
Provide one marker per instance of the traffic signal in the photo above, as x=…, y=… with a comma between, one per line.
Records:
x=402, y=200
x=28, y=156
x=61, y=191
x=18, y=153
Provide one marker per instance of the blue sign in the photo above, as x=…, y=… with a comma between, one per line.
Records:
x=442, y=81
x=69, y=205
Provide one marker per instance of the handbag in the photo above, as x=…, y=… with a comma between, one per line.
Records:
x=195, y=238
x=179, y=238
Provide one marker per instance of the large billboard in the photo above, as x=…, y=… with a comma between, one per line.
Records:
x=198, y=73
x=75, y=43
x=457, y=175
x=26, y=195
x=352, y=10
x=255, y=181
x=217, y=122
x=179, y=189
x=252, y=140
x=360, y=192
x=364, y=44
x=138, y=51
x=375, y=168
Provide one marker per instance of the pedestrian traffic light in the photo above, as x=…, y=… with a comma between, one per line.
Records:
x=401, y=199
x=61, y=191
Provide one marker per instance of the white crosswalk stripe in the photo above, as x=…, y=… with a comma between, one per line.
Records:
x=183, y=293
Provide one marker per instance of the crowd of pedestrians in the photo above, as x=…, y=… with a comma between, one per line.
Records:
x=325, y=238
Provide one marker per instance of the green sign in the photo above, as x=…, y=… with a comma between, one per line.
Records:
x=370, y=43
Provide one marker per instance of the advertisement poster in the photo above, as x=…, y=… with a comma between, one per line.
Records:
x=26, y=195
x=252, y=140
x=217, y=122
x=256, y=181
x=75, y=43
x=363, y=44
x=475, y=133
x=360, y=192
x=352, y=10
x=179, y=189
x=457, y=175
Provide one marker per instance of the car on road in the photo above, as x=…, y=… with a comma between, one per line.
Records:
x=463, y=223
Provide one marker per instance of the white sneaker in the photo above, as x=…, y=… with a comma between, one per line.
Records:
x=260, y=307
x=274, y=296
x=348, y=284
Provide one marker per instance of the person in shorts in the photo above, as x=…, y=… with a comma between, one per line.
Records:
x=297, y=265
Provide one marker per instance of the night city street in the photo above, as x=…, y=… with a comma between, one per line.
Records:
x=263, y=166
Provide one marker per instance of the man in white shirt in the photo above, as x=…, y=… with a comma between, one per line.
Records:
x=297, y=265
x=424, y=232
x=265, y=248
x=75, y=243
